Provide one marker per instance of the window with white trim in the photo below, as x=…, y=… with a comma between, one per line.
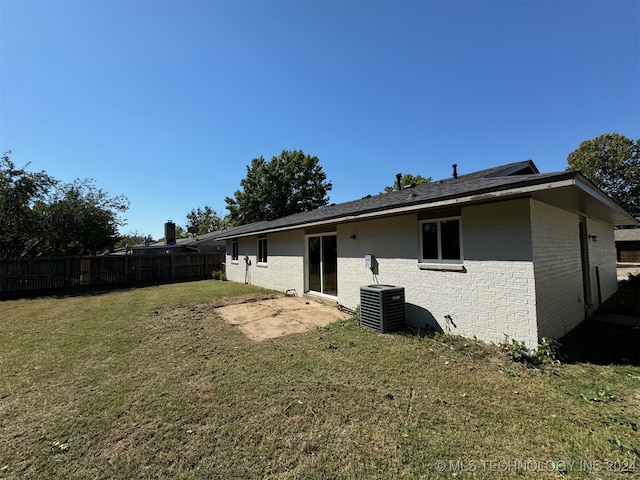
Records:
x=262, y=250
x=234, y=251
x=441, y=241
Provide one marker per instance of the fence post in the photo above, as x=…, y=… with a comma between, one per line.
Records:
x=126, y=268
x=67, y=273
x=206, y=266
x=85, y=271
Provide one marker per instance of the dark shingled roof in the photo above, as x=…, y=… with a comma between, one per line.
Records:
x=495, y=179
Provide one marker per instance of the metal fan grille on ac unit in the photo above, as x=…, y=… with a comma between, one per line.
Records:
x=382, y=307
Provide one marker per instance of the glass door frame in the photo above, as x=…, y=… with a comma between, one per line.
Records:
x=307, y=279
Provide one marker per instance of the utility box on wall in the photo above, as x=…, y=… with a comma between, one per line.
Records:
x=368, y=261
x=382, y=308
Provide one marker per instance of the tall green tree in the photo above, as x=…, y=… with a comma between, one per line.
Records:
x=42, y=216
x=290, y=183
x=79, y=219
x=612, y=162
x=19, y=192
x=205, y=219
x=406, y=181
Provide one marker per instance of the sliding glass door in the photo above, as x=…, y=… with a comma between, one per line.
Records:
x=322, y=255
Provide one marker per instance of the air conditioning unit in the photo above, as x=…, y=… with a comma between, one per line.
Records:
x=382, y=308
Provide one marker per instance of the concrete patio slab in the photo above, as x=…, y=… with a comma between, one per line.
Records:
x=276, y=317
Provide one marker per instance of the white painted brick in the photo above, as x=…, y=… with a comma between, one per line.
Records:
x=602, y=254
x=558, y=277
x=285, y=265
x=487, y=301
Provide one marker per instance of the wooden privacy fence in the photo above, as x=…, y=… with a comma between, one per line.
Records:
x=39, y=276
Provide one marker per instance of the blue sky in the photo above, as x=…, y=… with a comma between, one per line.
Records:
x=168, y=102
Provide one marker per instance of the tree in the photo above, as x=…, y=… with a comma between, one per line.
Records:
x=290, y=183
x=133, y=238
x=79, y=219
x=205, y=219
x=180, y=232
x=41, y=216
x=406, y=181
x=612, y=162
x=19, y=191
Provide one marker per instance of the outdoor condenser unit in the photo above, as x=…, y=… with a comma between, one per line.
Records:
x=382, y=307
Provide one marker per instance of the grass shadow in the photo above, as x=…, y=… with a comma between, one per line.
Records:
x=602, y=343
x=79, y=292
x=626, y=301
x=420, y=332
x=87, y=291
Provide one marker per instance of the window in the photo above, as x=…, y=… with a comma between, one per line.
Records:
x=262, y=250
x=234, y=251
x=441, y=240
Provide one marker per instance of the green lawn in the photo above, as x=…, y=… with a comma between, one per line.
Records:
x=151, y=383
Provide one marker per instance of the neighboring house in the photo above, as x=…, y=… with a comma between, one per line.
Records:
x=504, y=251
x=206, y=243
x=628, y=245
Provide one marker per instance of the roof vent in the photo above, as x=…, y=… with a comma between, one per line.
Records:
x=399, y=181
x=455, y=170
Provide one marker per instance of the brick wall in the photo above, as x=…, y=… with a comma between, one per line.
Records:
x=521, y=276
x=491, y=298
x=284, y=269
x=558, y=269
x=602, y=254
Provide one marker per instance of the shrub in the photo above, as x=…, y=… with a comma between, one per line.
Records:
x=219, y=275
x=545, y=353
x=548, y=351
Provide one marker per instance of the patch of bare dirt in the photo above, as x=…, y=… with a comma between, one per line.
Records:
x=276, y=317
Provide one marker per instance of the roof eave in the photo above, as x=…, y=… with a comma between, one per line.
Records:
x=444, y=202
x=610, y=212
x=623, y=218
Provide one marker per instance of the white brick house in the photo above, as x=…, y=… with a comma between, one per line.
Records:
x=503, y=251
